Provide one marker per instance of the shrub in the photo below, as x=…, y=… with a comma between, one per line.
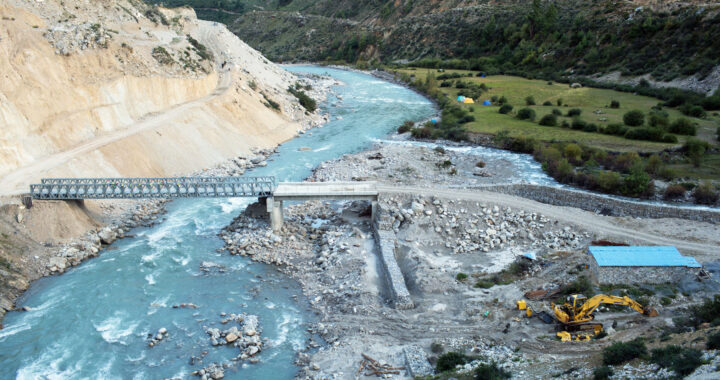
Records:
x=406, y=126
x=502, y=100
x=448, y=361
x=712, y=103
x=658, y=119
x=436, y=347
x=574, y=112
x=615, y=129
x=681, y=360
x=421, y=133
x=307, y=102
x=556, y=112
x=708, y=312
x=578, y=124
x=581, y=285
x=602, y=373
x=526, y=114
x=549, y=120
x=591, y=128
x=653, y=165
x=614, y=104
x=162, y=56
x=683, y=126
x=648, y=134
x=530, y=101
x=638, y=183
x=705, y=194
x=547, y=103
x=713, y=341
x=718, y=133
x=573, y=152
x=505, y=109
x=491, y=372
x=608, y=181
x=565, y=124
x=669, y=139
x=559, y=102
x=674, y=192
x=439, y=150
x=692, y=110
x=480, y=164
x=695, y=149
x=634, y=118
x=620, y=352
x=461, y=276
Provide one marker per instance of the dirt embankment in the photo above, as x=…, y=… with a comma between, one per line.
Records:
x=120, y=88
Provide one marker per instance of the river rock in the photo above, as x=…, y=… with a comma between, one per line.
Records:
x=231, y=337
x=107, y=235
x=58, y=262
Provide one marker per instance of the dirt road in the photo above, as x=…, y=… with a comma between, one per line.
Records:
x=700, y=239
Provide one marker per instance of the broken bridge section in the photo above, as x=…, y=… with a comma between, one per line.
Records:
x=161, y=187
x=307, y=191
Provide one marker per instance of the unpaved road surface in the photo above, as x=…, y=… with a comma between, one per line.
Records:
x=645, y=231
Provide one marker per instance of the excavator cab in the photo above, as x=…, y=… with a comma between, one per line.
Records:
x=575, y=302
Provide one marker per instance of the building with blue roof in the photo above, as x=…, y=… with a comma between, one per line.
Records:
x=652, y=264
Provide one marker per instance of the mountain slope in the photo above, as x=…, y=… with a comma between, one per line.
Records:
x=668, y=39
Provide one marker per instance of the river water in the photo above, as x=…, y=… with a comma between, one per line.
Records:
x=93, y=321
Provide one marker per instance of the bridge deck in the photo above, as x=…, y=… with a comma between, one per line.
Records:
x=325, y=191
x=135, y=188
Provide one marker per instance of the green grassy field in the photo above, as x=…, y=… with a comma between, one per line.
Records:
x=593, y=102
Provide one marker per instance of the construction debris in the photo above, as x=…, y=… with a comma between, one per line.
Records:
x=373, y=368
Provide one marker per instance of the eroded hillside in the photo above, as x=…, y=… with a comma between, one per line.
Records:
x=136, y=88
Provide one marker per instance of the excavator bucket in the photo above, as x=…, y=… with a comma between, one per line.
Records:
x=651, y=312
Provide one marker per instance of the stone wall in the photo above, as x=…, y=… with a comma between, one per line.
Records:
x=603, y=204
x=386, y=243
x=632, y=275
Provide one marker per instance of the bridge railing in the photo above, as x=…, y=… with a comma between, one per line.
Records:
x=175, y=187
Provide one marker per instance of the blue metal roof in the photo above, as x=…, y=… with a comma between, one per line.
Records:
x=641, y=257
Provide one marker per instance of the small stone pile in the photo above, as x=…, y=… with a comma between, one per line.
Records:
x=161, y=335
x=471, y=227
x=245, y=336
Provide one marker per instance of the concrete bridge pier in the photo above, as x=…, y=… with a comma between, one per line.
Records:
x=275, y=209
x=324, y=191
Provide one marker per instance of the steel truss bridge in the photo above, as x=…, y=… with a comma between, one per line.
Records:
x=136, y=188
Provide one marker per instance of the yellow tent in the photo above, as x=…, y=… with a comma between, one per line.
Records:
x=469, y=101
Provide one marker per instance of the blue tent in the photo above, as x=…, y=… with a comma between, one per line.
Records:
x=460, y=98
x=482, y=76
x=487, y=103
x=434, y=121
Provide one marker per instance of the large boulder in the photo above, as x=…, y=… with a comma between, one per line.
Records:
x=58, y=262
x=107, y=235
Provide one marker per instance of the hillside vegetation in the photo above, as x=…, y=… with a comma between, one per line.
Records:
x=551, y=39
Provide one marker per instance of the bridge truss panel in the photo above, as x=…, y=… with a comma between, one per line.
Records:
x=138, y=188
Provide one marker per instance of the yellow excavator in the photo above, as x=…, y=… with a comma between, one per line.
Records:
x=576, y=314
